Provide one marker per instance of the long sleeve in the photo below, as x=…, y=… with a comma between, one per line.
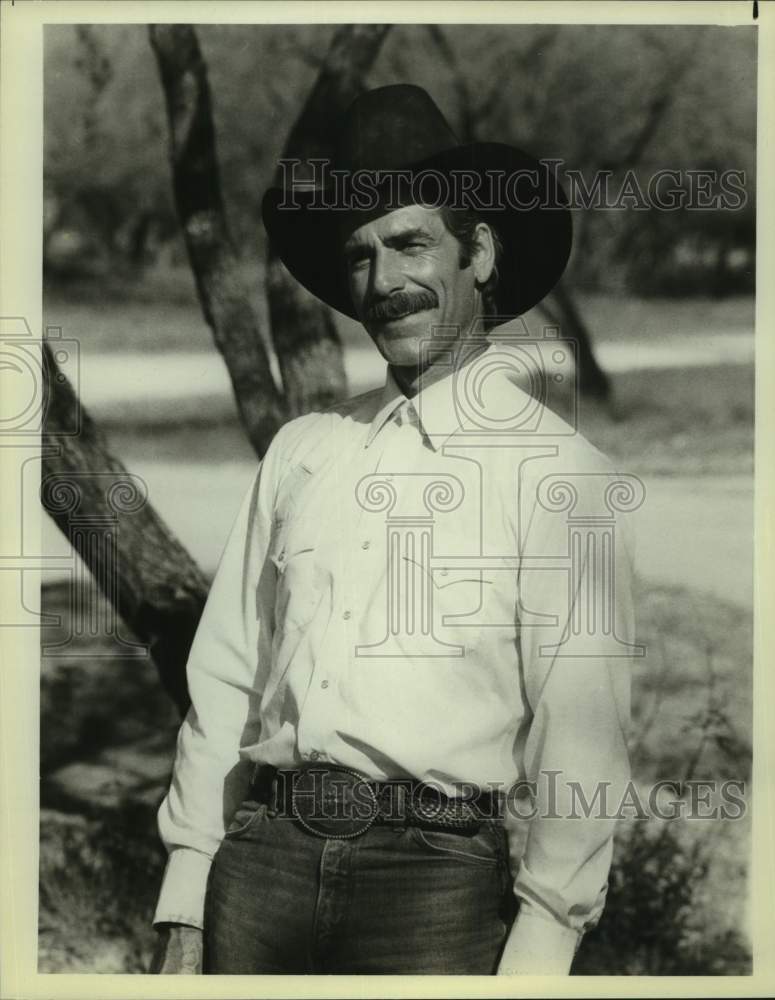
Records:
x=575, y=673
x=230, y=652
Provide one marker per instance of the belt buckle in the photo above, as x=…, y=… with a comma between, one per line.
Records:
x=337, y=803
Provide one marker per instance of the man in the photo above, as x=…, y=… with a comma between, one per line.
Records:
x=397, y=636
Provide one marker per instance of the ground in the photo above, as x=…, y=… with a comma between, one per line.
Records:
x=678, y=890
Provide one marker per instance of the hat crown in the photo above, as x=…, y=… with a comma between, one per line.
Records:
x=399, y=128
x=390, y=127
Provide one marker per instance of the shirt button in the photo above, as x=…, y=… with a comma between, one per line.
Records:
x=445, y=572
x=366, y=545
x=314, y=755
x=324, y=684
x=347, y=615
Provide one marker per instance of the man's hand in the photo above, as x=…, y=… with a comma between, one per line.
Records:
x=178, y=951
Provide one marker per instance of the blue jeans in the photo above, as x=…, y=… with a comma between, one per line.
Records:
x=393, y=900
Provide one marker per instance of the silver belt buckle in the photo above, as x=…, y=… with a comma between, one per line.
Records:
x=334, y=802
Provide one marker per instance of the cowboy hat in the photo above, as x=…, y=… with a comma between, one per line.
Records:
x=395, y=147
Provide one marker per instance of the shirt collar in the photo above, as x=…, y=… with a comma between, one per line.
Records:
x=390, y=399
x=434, y=404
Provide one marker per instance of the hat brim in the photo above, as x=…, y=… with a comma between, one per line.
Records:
x=535, y=231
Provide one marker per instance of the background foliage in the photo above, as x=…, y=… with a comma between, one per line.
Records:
x=597, y=97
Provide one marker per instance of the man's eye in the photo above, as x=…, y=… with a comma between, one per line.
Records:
x=357, y=263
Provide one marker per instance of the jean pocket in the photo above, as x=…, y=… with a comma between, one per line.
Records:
x=249, y=814
x=482, y=848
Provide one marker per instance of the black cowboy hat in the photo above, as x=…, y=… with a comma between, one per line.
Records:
x=398, y=131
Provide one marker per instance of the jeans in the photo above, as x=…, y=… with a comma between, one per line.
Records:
x=395, y=900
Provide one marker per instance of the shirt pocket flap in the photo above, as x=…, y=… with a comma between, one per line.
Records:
x=292, y=550
x=459, y=593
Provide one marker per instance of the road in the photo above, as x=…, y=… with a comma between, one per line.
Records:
x=174, y=384
x=694, y=531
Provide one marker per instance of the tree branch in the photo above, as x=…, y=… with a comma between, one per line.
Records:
x=223, y=293
x=658, y=106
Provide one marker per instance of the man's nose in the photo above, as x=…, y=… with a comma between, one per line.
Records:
x=386, y=276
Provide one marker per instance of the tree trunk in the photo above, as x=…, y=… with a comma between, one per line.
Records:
x=592, y=381
x=303, y=331
x=560, y=307
x=101, y=508
x=223, y=293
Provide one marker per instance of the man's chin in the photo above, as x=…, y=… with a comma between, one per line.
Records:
x=402, y=352
x=400, y=341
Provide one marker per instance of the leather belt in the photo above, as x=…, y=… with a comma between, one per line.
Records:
x=340, y=802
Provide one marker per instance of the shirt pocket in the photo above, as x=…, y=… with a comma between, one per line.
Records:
x=460, y=596
x=292, y=550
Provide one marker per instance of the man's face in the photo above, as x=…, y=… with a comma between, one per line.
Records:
x=405, y=278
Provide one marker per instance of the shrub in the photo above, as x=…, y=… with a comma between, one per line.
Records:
x=655, y=922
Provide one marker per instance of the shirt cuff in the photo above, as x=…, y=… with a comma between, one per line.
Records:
x=183, y=888
x=538, y=945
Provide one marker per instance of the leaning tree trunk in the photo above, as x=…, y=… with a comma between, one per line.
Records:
x=152, y=581
x=303, y=332
x=223, y=293
x=143, y=570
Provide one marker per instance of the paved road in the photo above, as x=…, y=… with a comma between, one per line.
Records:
x=696, y=532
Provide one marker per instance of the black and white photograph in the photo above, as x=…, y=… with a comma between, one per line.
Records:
x=384, y=474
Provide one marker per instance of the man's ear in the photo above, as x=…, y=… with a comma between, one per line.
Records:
x=483, y=258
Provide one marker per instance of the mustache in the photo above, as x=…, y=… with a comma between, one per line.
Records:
x=400, y=304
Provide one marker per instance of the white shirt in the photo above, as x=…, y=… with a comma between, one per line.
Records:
x=403, y=593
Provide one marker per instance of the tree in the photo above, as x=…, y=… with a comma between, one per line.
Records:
x=559, y=306
x=303, y=334
x=579, y=93
x=305, y=338
x=158, y=589
x=223, y=294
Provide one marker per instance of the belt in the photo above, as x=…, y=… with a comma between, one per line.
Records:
x=340, y=802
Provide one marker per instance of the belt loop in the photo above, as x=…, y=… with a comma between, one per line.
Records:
x=273, y=803
x=403, y=819
x=282, y=788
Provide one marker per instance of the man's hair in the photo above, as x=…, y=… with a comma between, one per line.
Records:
x=462, y=223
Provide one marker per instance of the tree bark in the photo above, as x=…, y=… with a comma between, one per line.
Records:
x=591, y=379
x=304, y=334
x=223, y=293
x=139, y=565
